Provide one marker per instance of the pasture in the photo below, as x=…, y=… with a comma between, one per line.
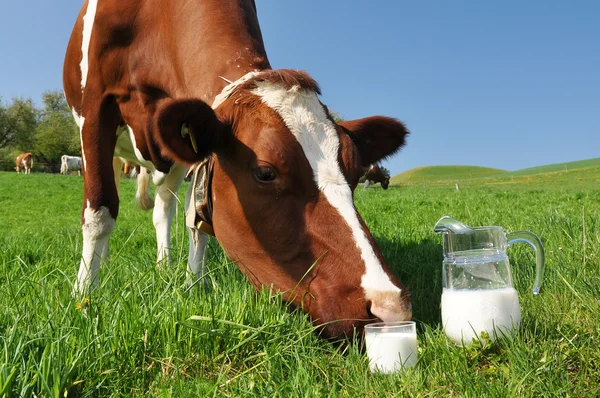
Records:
x=142, y=333
x=428, y=174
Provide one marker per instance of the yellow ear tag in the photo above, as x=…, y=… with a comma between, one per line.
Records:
x=185, y=130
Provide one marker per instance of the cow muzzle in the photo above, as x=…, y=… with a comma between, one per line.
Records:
x=391, y=306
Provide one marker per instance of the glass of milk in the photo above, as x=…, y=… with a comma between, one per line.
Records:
x=391, y=346
x=478, y=294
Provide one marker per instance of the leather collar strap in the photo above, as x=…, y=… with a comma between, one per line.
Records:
x=203, y=172
x=202, y=197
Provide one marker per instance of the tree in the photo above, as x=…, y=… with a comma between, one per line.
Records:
x=18, y=124
x=57, y=133
x=7, y=129
x=25, y=119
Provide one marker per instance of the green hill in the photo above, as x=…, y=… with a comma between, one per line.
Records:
x=444, y=173
x=551, y=168
x=563, y=173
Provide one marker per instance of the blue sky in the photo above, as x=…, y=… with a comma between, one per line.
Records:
x=504, y=84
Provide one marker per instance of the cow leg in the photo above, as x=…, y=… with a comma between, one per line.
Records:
x=197, y=247
x=367, y=184
x=165, y=204
x=142, y=193
x=100, y=198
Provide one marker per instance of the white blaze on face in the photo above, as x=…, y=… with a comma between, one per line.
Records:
x=88, y=23
x=304, y=115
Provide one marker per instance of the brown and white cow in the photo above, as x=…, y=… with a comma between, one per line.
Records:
x=170, y=86
x=376, y=175
x=24, y=161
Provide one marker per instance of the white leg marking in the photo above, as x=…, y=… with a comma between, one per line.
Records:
x=165, y=204
x=97, y=227
x=305, y=117
x=80, y=120
x=88, y=23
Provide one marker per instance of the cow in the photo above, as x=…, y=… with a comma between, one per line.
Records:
x=131, y=170
x=376, y=175
x=70, y=163
x=24, y=161
x=190, y=83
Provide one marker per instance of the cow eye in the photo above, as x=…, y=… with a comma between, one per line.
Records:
x=265, y=174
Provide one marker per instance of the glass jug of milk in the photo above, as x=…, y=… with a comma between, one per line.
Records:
x=478, y=294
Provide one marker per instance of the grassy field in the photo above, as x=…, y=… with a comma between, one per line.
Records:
x=143, y=334
x=557, y=167
x=443, y=173
x=575, y=175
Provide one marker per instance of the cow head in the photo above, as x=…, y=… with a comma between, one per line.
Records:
x=385, y=183
x=283, y=182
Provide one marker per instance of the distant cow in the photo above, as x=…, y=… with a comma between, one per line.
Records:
x=376, y=175
x=70, y=163
x=24, y=161
x=188, y=82
x=131, y=170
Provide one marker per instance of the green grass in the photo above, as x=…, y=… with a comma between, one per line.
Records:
x=557, y=167
x=143, y=334
x=442, y=173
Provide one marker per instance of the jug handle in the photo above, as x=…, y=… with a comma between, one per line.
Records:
x=534, y=241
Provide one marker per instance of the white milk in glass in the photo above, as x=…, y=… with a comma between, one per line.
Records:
x=389, y=352
x=466, y=313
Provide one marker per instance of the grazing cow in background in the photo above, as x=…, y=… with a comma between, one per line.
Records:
x=189, y=82
x=376, y=175
x=131, y=170
x=24, y=161
x=70, y=163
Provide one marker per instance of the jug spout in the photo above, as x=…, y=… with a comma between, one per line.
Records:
x=449, y=224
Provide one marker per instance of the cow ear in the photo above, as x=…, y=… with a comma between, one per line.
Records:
x=376, y=137
x=188, y=131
